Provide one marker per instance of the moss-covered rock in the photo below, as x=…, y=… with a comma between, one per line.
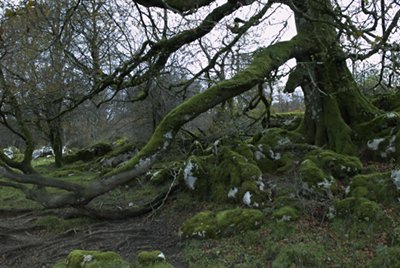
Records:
x=267, y=158
x=360, y=208
x=95, y=259
x=378, y=137
x=338, y=165
x=202, y=225
x=286, y=213
x=238, y=220
x=378, y=187
x=207, y=224
x=321, y=169
x=300, y=255
x=311, y=173
x=152, y=258
x=90, y=153
x=386, y=257
x=224, y=176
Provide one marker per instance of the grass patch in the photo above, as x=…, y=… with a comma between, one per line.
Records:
x=305, y=243
x=14, y=200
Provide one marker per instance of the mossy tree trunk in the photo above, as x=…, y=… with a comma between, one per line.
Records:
x=334, y=104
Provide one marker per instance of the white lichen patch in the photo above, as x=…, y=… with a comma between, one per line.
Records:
x=144, y=162
x=391, y=115
x=290, y=121
x=347, y=190
x=274, y=156
x=391, y=148
x=395, y=176
x=199, y=234
x=168, y=135
x=215, y=146
x=285, y=218
x=260, y=184
x=258, y=155
x=326, y=184
x=188, y=176
x=284, y=141
x=161, y=256
x=232, y=192
x=155, y=174
x=86, y=259
x=331, y=213
x=247, y=198
x=374, y=144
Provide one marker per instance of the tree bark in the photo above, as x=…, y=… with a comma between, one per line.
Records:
x=334, y=104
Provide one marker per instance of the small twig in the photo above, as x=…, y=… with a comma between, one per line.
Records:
x=175, y=174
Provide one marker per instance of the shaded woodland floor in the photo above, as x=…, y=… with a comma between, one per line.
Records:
x=25, y=244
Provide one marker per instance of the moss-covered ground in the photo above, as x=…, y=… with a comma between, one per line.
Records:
x=323, y=210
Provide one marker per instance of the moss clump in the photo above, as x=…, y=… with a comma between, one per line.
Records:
x=311, y=173
x=378, y=187
x=95, y=259
x=378, y=137
x=238, y=220
x=386, y=257
x=322, y=169
x=152, y=258
x=207, y=224
x=56, y=224
x=301, y=255
x=286, y=213
x=267, y=158
x=202, y=225
x=338, y=165
x=360, y=208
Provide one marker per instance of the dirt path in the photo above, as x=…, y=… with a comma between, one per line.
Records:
x=22, y=244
